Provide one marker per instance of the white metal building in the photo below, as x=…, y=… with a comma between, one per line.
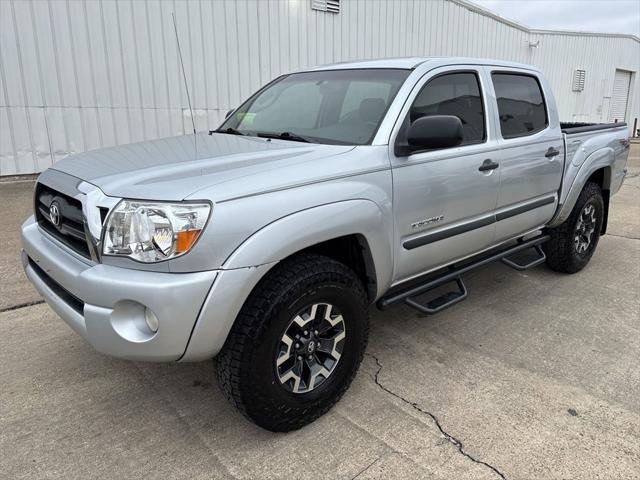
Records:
x=78, y=75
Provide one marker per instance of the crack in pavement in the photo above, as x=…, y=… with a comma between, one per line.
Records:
x=21, y=305
x=621, y=236
x=453, y=440
x=367, y=467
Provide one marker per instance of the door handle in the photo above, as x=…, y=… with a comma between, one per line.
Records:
x=552, y=152
x=487, y=165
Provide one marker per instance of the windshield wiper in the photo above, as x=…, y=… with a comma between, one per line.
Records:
x=294, y=137
x=229, y=130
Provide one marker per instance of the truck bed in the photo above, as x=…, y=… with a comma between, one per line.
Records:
x=580, y=127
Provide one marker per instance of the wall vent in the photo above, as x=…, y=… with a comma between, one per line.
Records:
x=578, y=80
x=331, y=6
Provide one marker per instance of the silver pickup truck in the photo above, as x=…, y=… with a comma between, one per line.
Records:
x=264, y=242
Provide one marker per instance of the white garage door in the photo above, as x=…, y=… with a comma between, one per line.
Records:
x=620, y=96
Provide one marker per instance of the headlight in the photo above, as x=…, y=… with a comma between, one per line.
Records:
x=153, y=231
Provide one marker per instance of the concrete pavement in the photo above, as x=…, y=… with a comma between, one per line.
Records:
x=16, y=204
x=534, y=376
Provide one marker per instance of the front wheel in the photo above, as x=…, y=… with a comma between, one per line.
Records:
x=296, y=344
x=572, y=244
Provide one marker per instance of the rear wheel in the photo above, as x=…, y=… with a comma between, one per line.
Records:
x=296, y=344
x=572, y=244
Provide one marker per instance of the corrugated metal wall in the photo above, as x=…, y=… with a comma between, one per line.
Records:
x=78, y=75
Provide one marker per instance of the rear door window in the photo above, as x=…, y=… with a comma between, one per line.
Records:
x=521, y=106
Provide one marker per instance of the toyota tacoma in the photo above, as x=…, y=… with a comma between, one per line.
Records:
x=263, y=243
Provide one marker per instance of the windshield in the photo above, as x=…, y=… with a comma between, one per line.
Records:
x=330, y=106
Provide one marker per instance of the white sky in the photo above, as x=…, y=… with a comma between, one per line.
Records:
x=610, y=16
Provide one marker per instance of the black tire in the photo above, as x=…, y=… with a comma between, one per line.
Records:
x=562, y=252
x=246, y=367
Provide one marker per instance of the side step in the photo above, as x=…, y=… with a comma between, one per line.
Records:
x=524, y=260
x=453, y=274
x=438, y=304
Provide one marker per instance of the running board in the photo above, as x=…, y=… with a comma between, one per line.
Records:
x=454, y=273
x=526, y=260
x=438, y=304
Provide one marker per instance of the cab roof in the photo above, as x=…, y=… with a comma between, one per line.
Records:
x=411, y=63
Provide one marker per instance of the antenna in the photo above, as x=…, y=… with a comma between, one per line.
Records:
x=184, y=75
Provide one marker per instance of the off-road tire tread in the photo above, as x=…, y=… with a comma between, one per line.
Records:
x=559, y=249
x=281, y=285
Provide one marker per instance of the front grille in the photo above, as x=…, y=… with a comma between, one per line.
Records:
x=69, y=225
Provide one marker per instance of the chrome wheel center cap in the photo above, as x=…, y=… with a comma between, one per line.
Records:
x=311, y=346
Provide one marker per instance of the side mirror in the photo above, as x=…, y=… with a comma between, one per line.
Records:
x=229, y=113
x=432, y=132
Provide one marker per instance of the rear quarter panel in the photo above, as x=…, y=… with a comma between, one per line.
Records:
x=585, y=154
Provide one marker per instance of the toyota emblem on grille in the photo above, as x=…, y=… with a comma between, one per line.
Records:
x=54, y=213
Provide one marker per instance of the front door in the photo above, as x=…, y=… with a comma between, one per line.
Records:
x=443, y=200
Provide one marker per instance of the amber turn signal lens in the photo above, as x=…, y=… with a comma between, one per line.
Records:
x=186, y=239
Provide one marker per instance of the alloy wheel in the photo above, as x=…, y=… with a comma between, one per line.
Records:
x=585, y=228
x=310, y=348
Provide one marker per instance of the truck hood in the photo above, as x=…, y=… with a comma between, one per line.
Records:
x=178, y=167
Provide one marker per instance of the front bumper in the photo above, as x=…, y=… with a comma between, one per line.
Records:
x=106, y=304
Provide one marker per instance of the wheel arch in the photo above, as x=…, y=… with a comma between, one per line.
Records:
x=322, y=228
x=596, y=168
x=353, y=251
x=352, y=232
x=602, y=178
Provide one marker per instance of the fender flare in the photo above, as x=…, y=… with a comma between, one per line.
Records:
x=297, y=231
x=598, y=160
x=259, y=253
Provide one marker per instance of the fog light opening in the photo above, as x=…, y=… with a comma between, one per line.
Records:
x=151, y=320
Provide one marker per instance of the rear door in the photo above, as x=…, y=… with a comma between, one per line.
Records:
x=443, y=204
x=531, y=151
x=620, y=97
